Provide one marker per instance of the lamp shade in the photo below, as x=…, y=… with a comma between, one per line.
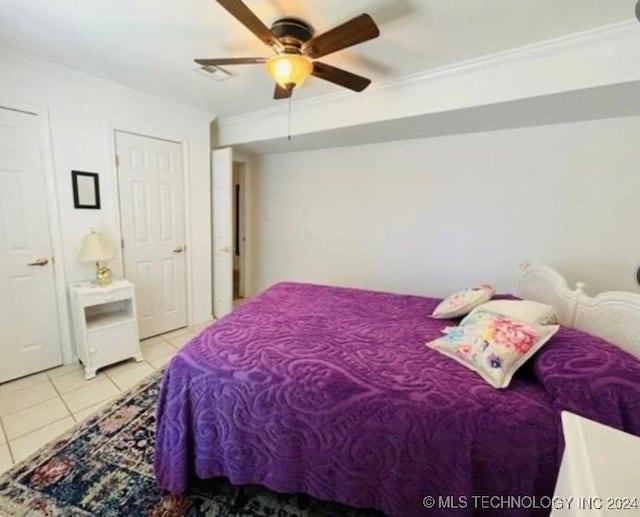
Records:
x=94, y=249
x=289, y=70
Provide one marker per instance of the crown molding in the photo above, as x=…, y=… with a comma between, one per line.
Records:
x=545, y=47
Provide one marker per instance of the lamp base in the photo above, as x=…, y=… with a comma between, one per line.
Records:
x=103, y=275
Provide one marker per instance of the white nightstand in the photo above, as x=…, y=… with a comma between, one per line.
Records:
x=104, y=323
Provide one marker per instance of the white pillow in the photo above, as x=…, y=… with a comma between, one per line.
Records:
x=523, y=310
x=462, y=302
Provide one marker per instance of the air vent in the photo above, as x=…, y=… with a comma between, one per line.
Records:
x=213, y=72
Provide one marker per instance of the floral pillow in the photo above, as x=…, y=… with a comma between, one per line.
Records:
x=463, y=302
x=493, y=345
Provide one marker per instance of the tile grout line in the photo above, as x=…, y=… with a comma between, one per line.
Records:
x=63, y=401
x=112, y=381
x=73, y=415
x=58, y=395
x=13, y=461
x=145, y=361
x=61, y=398
x=9, y=393
x=131, y=364
x=42, y=426
x=77, y=365
x=29, y=407
x=38, y=429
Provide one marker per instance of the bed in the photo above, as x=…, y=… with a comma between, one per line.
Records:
x=331, y=392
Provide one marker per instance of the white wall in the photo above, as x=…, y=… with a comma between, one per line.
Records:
x=83, y=111
x=431, y=215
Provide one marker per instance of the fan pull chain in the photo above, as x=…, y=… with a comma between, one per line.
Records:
x=289, y=122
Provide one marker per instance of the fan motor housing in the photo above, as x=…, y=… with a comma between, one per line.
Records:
x=292, y=32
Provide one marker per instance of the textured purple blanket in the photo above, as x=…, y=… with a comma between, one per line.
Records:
x=332, y=392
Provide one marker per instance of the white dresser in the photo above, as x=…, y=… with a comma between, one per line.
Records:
x=104, y=323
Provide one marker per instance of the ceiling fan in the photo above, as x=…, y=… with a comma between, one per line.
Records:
x=296, y=49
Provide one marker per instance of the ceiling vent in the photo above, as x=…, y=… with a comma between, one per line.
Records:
x=213, y=72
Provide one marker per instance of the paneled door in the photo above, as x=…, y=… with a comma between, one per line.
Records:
x=222, y=183
x=150, y=179
x=29, y=330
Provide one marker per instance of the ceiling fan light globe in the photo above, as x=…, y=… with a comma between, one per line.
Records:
x=289, y=70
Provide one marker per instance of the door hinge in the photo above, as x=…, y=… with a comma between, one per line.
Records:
x=117, y=161
x=122, y=244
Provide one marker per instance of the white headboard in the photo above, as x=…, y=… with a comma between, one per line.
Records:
x=614, y=316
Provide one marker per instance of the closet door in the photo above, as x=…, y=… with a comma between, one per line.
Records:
x=29, y=331
x=151, y=187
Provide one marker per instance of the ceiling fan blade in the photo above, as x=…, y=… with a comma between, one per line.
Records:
x=282, y=93
x=232, y=61
x=358, y=30
x=354, y=82
x=245, y=16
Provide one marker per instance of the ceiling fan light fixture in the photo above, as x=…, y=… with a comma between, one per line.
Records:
x=289, y=70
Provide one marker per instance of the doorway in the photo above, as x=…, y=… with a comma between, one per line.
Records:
x=152, y=218
x=239, y=232
x=27, y=274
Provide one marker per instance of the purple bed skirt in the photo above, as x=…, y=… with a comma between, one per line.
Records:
x=332, y=392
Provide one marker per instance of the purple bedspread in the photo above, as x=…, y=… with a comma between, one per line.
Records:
x=332, y=392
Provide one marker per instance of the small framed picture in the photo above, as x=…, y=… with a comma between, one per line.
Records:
x=86, y=189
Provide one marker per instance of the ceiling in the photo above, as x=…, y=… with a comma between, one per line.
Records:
x=150, y=44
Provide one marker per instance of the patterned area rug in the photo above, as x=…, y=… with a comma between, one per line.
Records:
x=104, y=467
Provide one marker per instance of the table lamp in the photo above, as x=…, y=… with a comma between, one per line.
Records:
x=94, y=249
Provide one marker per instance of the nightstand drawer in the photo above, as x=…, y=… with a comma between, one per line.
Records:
x=101, y=296
x=112, y=344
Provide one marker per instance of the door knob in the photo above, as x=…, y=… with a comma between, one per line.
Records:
x=43, y=261
x=179, y=249
x=225, y=249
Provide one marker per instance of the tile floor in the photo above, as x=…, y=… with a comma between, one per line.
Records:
x=36, y=409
